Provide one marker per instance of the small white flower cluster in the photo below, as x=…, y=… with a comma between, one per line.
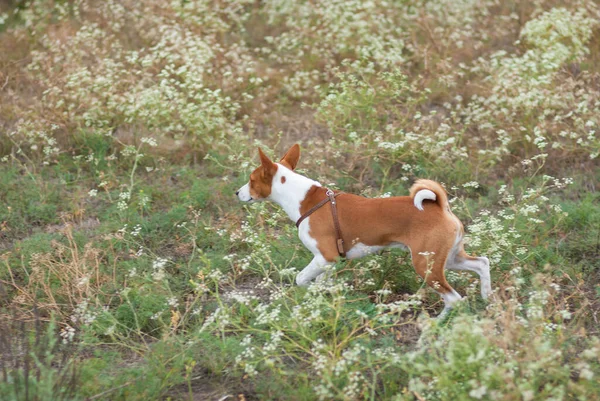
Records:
x=150, y=141
x=267, y=314
x=273, y=344
x=83, y=313
x=173, y=302
x=67, y=334
x=158, y=269
x=390, y=312
x=537, y=300
x=242, y=297
x=220, y=317
x=136, y=230
x=123, y=202
x=143, y=200
x=289, y=272
x=249, y=352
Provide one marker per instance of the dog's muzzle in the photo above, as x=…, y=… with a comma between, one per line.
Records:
x=243, y=194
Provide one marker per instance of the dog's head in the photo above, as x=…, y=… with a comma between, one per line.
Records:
x=261, y=179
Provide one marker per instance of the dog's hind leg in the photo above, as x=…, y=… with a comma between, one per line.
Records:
x=430, y=266
x=479, y=265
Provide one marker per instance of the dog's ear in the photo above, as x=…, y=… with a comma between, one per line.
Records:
x=290, y=160
x=268, y=166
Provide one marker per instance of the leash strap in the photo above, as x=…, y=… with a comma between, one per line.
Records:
x=330, y=198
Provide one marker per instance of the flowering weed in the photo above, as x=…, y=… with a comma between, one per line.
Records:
x=126, y=127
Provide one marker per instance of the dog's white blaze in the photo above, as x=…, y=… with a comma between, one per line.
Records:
x=244, y=193
x=421, y=196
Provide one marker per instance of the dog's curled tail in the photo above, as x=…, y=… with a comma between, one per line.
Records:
x=431, y=190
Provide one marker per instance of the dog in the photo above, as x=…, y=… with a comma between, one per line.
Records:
x=354, y=226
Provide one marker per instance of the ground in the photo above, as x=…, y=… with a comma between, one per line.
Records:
x=130, y=271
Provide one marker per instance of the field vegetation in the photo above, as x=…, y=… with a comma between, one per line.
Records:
x=130, y=271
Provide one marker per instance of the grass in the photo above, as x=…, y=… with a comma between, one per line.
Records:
x=129, y=270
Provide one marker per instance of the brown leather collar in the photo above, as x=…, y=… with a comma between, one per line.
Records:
x=330, y=198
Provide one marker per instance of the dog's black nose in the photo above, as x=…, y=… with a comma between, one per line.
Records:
x=237, y=192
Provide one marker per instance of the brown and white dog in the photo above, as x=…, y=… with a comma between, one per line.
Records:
x=421, y=223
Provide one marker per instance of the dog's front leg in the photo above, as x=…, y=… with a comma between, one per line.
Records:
x=315, y=268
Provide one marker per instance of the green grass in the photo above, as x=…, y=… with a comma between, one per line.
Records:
x=138, y=318
x=130, y=271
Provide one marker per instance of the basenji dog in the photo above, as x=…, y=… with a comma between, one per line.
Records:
x=354, y=226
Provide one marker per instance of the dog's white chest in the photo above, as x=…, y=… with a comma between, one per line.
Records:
x=308, y=241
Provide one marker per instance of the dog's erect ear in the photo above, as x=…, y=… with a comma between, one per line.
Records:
x=268, y=165
x=290, y=160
